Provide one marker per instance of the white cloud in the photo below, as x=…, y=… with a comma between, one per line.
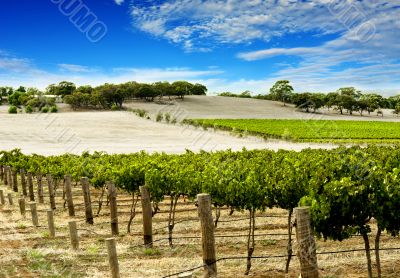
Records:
x=11, y=63
x=119, y=2
x=75, y=68
x=231, y=21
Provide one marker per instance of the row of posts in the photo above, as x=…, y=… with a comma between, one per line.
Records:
x=306, y=243
x=9, y=177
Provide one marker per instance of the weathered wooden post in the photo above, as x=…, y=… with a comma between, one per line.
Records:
x=23, y=182
x=40, y=189
x=68, y=193
x=35, y=220
x=30, y=187
x=112, y=257
x=2, y=201
x=87, y=200
x=147, y=214
x=9, y=177
x=112, y=193
x=5, y=178
x=21, y=203
x=207, y=235
x=50, y=220
x=14, y=180
x=2, y=172
x=50, y=186
x=73, y=232
x=306, y=252
x=10, y=199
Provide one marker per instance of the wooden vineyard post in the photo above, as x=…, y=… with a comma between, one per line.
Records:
x=23, y=182
x=112, y=257
x=2, y=173
x=21, y=203
x=30, y=187
x=9, y=176
x=112, y=193
x=50, y=186
x=40, y=189
x=2, y=201
x=68, y=194
x=147, y=216
x=50, y=220
x=14, y=180
x=87, y=199
x=207, y=235
x=35, y=220
x=306, y=252
x=73, y=232
x=5, y=178
x=10, y=199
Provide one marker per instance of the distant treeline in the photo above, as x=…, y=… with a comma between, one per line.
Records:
x=347, y=99
x=105, y=96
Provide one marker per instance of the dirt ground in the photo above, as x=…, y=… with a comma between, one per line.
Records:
x=213, y=107
x=27, y=251
x=117, y=132
x=124, y=132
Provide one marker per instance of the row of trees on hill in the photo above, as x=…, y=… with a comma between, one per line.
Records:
x=104, y=96
x=347, y=99
x=114, y=95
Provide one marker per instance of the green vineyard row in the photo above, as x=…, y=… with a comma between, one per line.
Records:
x=345, y=187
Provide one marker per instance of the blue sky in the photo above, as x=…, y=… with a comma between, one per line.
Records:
x=229, y=45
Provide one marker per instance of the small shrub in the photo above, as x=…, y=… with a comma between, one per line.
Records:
x=45, y=234
x=167, y=117
x=13, y=109
x=140, y=112
x=28, y=109
x=44, y=109
x=115, y=107
x=54, y=109
x=159, y=117
x=21, y=226
x=151, y=252
x=93, y=249
x=174, y=121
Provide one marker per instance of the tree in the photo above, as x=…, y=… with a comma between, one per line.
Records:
x=64, y=88
x=86, y=89
x=347, y=99
x=182, y=88
x=372, y=102
x=302, y=101
x=199, y=89
x=282, y=91
x=17, y=98
x=111, y=94
x=362, y=105
x=147, y=92
x=163, y=89
x=317, y=101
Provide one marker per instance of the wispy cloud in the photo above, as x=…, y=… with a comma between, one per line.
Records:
x=119, y=2
x=197, y=23
x=11, y=63
x=75, y=68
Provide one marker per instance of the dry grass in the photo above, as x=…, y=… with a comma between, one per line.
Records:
x=26, y=251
